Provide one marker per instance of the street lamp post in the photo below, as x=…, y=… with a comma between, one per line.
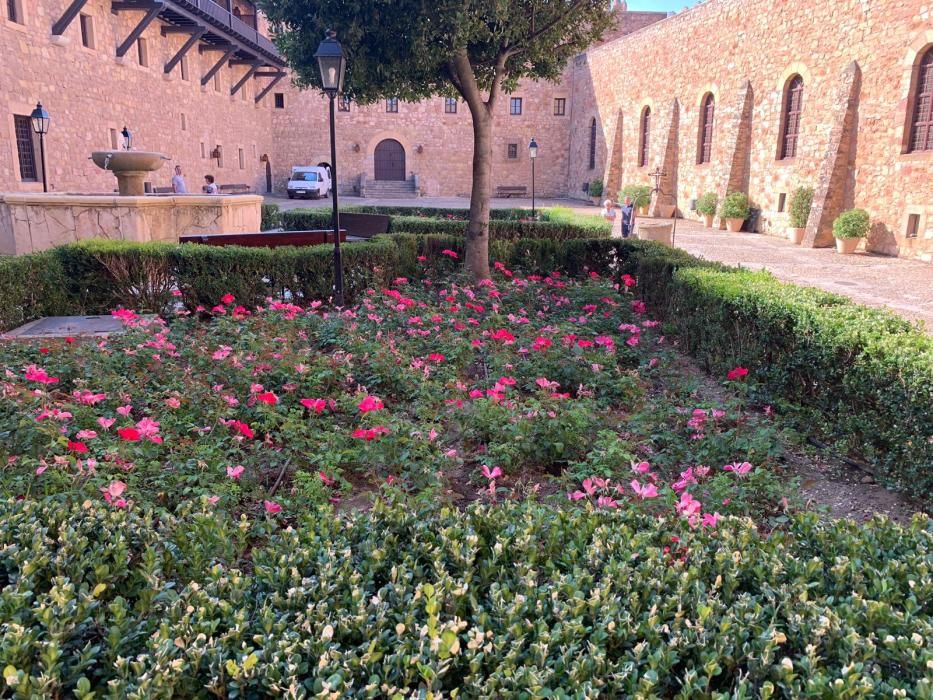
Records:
x=533, y=154
x=40, y=124
x=332, y=64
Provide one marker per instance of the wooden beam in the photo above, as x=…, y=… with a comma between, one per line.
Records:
x=192, y=40
x=118, y=6
x=272, y=84
x=181, y=30
x=207, y=48
x=151, y=13
x=266, y=73
x=68, y=17
x=243, y=62
x=228, y=52
x=249, y=74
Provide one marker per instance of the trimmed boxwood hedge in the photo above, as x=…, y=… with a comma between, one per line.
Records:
x=510, y=601
x=499, y=228
x=863, y=377
x=32, y=286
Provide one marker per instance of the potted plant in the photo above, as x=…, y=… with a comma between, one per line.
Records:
x=800, y=202
x=706, y=205
x=849, y=228
x=641, y=197
x=595, y=191
x=734, y=210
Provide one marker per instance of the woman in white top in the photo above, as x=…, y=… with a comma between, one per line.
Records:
x=608, y=212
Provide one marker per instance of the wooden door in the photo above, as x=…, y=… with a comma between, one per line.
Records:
x=390, y=160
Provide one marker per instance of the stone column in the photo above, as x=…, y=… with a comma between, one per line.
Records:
x=833, y=188
x=738, y=142
x=664, y=203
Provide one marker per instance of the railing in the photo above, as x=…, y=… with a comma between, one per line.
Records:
x=221, y=15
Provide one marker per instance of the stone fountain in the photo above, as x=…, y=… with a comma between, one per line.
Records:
x=33, y=221
x=130, y=168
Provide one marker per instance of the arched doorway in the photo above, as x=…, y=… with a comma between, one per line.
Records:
x=390, y=160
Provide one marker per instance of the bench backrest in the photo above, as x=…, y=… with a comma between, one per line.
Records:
x=275, y=239
x=365, y=225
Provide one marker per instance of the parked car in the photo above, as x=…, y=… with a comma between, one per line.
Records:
x=309, y=181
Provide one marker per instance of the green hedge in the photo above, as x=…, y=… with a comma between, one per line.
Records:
x=512, y=601
x=271, y=217
x=32, y=286
x=864, y=377
x=437, y=212
x=499, y=229
x=103, y=275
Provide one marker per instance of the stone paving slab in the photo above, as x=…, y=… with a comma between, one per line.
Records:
x=902, y=286
x=66, y=327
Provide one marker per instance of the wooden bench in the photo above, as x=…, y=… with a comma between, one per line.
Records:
x=163, y=190
x=365, y=225
x=273, y=239
x=234, y=189
x=508, y=191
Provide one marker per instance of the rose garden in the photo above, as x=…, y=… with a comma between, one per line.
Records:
x=524, y=487
x=486, y=454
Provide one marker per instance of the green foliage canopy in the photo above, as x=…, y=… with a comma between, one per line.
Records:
x=405, y=48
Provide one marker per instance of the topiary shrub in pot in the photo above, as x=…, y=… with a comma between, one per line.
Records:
x=706, y=206
x=849, y=228
x=800, y=202
x=734, y=209
x=595, y=191
x=641, y=197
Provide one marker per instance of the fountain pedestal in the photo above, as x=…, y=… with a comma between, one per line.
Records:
x=130, y=168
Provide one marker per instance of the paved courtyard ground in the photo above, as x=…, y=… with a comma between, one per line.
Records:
x=903, y=286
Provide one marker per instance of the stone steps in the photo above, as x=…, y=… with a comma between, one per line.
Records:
x=390, y=189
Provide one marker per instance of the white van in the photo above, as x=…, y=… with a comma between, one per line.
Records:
x=309, y=181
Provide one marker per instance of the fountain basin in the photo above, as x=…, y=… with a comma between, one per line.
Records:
x=130, y=168
x=34, y=221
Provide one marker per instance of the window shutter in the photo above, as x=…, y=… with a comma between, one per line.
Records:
x=922, y=124
x=793, y=109
x=706, y=129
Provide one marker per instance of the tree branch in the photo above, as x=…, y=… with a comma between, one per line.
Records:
x=522, y=45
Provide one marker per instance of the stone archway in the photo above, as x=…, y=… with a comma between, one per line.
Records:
x=389, y=160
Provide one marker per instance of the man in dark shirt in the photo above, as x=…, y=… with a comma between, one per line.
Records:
x=628, y=217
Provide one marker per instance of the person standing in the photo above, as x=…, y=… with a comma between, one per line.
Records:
x=608, y=212
x=178, y=182
x=209, y=186
x=628, y=217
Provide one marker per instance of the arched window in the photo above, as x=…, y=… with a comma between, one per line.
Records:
x=707, y=114
x=793, y=109
x=921, y=123
x=644, y=146
x=593, y=128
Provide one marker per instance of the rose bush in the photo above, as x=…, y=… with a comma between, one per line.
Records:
x=169, y=525
x=423, y=383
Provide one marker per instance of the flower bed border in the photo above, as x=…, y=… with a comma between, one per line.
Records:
x=864, y=376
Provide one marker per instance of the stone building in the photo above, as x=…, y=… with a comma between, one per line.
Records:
x=760, y=96
x=763, y=96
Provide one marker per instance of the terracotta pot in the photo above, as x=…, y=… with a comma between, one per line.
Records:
x=847, y=246
x=734, y=225
x=795, y=235
x=708, y=220
x=642, y=211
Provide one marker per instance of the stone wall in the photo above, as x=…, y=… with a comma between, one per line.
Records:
x=856, y=59
x=444, y=165
x=33, y=222
x=91, y=94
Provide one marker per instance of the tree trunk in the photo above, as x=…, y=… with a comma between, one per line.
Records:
x=477, y=244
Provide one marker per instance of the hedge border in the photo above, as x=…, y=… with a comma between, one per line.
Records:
x=863, y=376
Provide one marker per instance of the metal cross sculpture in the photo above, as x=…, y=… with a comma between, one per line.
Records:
x=657, y=175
